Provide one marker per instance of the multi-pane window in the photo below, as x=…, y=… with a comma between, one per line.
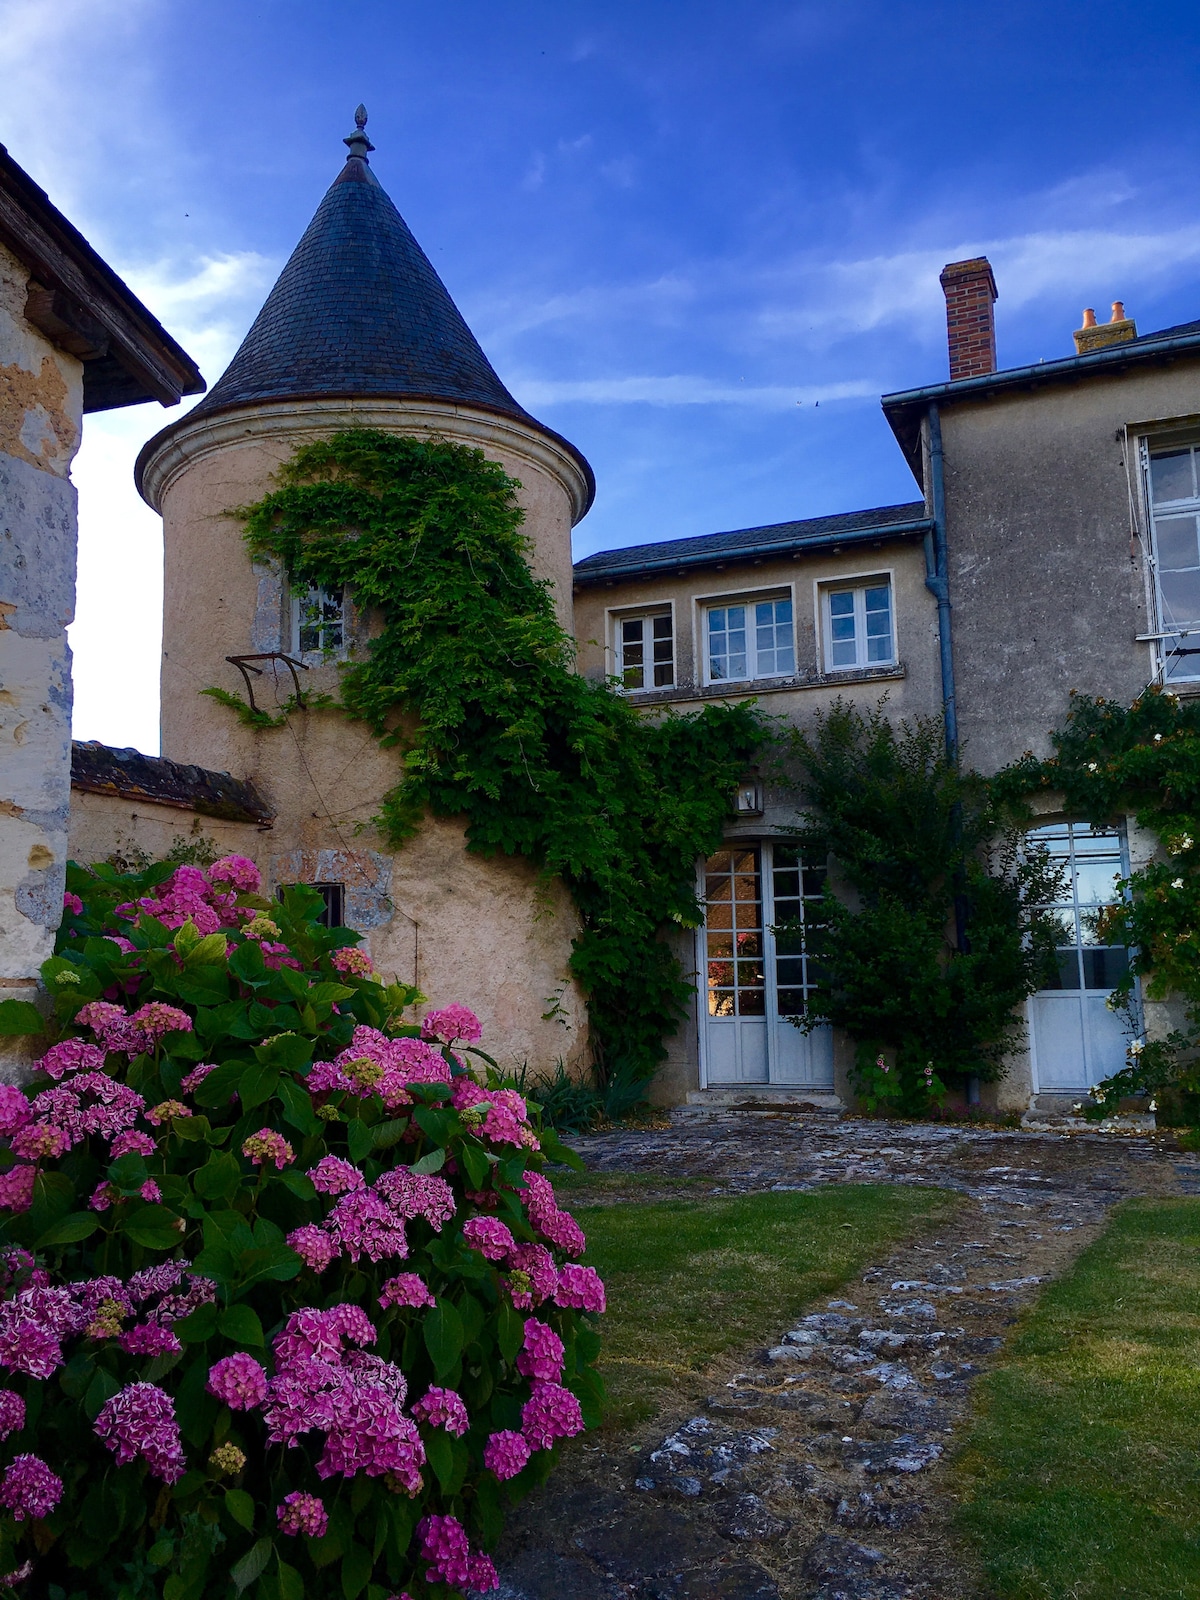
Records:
x=646, y=650
x=1092, y=865
x=750, y=960
x=797, y=892
x=752, y=640
x=1175, y=515
x=858, y=626
x=318, y=620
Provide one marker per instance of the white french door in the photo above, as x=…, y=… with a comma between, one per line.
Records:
x=757, y=973
x=1076, y=1040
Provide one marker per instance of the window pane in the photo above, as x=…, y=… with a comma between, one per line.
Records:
x=1180, y=592
x=843, y=649
x=720, y=946
x=773, y=637
x=879, y=623
x=720, y=1002
x=632, y=654
x=727, y=642
x=1175, y=538
x=1067, y=975
x=1096, y=881
x=791, y=1003
x=1171, y=476
x=664, y=652
x=1104, y=966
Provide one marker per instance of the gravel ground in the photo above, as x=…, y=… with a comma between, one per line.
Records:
x=818, y=1466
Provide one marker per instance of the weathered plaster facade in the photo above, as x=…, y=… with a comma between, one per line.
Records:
x=460, y=926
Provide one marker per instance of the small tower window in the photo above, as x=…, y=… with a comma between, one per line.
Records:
x=318, y=620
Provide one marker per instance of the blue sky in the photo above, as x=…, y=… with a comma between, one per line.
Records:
x=699, y=239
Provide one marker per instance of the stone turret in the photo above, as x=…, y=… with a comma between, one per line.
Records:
x=359, y=331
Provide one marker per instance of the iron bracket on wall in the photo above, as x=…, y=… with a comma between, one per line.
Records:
x=245, y=667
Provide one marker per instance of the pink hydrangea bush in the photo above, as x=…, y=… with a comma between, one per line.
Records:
x=277, y=1273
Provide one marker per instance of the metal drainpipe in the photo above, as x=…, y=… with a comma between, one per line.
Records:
x=937, y=581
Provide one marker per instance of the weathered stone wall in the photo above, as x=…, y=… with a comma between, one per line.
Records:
x=484, y=932
x=41, y=405
x=131, y=832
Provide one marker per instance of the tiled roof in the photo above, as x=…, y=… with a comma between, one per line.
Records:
x=129, y=775
x=359, y=310
x=748, y=544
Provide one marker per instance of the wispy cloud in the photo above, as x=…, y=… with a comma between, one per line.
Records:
x=681, y=390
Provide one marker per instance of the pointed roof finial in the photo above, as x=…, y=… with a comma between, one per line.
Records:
x=358, y=142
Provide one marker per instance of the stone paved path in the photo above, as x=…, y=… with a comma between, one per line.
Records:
x=818, y=1466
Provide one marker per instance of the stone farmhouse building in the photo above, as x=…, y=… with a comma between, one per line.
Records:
x=1052, y=543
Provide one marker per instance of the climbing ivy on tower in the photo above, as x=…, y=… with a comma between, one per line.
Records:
x=470, y=676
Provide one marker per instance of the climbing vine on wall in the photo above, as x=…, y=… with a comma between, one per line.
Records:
x=470, y=676
x=1144, y=759
x=930, y=933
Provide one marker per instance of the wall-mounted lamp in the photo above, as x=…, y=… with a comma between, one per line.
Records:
x=750, y=801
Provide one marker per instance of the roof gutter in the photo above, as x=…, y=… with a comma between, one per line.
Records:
x=630, y=569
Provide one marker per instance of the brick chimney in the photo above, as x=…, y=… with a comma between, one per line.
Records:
x=970, y=291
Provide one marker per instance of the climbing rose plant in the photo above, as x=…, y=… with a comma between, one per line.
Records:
x=287, y=1305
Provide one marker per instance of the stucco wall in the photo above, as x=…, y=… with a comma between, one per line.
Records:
x=1045, y=594
x=41, y=405
x=484, y=932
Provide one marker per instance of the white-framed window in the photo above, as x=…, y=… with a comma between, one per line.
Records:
x=645, y=650
x=1173, y=492
x=749, y=639
x=858, y=624
x=318, y=620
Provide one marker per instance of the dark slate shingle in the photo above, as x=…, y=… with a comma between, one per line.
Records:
x=748, y=542
x=359, y=310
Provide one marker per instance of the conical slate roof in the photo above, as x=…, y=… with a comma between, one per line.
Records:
x=359, y=310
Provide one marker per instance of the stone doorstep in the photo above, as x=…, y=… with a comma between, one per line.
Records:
x=792, y=1097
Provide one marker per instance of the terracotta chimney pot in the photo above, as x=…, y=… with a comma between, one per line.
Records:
x=1095, y=336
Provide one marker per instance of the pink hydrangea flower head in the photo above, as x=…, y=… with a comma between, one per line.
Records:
x=417, y=1194
x=30, y=1489
x=73, y=904
x=156, y=1019
x=332, y=1175
x=149, y=1339
x=489, y=1236
x=131, y=1142
x=580, y=1288
x=352, y=963
x=564, y=1233
x=168, y=1111
x=16, y=1187
x=302, y=1513
x=444, y=1545
x=268, y=1146
x=15, y=1110
x=483, y=1576
x=451, y=1023
x=550, y=1413
x=353, y=1323
x=506, y=1453
x=151, y=1281
x=539, y=1276
x=104, y=1196
x=362, y=1224
x=442, y=1408
x=110, y=1024
x=12, y=1413
x=542, y=1356
x=150, y=1192
x=240, y=1381
x=497, y=1114
x=140, y=1421
x=39, y=1141
x=90, y=1102
x=71, y=1055
x=196, y=1077
x=406, y=1289
x=237, y=871
x=313, y=1245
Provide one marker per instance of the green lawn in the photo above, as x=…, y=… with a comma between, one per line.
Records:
x=692, y=1278
x=1082, y=1476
